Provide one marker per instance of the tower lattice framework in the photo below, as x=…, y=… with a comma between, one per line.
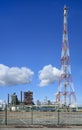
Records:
x=66, y=93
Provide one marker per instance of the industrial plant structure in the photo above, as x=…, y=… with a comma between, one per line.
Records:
x=28, y=98
x=14, y=99
x=66, y=93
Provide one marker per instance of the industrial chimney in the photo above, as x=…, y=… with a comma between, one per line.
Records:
x=8, y=99
x=21, y=97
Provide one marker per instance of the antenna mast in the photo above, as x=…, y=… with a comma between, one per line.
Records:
x=66, y=93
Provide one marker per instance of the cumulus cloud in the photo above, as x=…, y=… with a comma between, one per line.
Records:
x=48, y=75
x=10, y=76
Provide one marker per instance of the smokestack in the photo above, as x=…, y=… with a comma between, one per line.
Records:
x=8, y=99
x=21, y=96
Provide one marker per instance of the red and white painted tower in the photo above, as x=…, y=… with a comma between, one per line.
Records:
x=66, y=93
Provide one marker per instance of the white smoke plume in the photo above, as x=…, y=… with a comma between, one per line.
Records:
x=10, y=76
x=48, y=75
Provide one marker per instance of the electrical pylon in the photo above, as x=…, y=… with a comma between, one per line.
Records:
x=66, y=93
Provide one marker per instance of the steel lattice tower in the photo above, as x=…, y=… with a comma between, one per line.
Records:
x=66, y=93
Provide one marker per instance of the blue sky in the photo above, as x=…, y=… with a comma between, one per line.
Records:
x=31, y=36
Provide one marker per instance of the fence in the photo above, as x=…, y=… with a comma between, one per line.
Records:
x=37, y=116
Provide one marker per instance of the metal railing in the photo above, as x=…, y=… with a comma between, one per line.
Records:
x=35, y=116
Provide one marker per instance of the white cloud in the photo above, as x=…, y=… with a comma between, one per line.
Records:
x=1, y=102
x=48, y=75
x=10, y=76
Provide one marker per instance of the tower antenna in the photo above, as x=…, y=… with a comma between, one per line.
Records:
x=66, y=93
